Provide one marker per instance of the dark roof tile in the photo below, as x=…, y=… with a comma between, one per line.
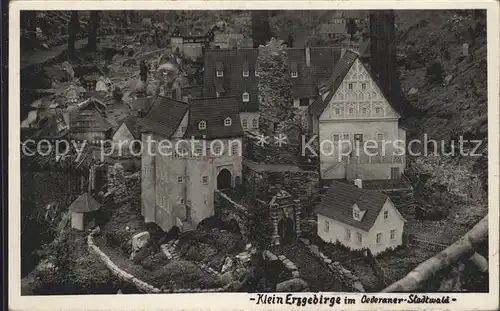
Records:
x=233, y=61
x=164, y=117
x=339, y=72
x=339, y=199
x=214, y=111
x=85, y=203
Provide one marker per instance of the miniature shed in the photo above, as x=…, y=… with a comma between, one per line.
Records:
x=83, y=212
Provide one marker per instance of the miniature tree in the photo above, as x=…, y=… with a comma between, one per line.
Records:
x=275, y=87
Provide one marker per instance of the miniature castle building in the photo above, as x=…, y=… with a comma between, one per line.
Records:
x=83, y=212
x=178, y=183
x=285, y=216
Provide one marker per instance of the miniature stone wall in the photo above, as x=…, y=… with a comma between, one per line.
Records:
x=304, y=185
x=350, y=280
x=139, y=284
x=227, y=209
x=286, y=262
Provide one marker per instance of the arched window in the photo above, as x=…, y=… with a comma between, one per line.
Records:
x=245, y=97
x=202, y=125
x=255, y=123
x=227, y=122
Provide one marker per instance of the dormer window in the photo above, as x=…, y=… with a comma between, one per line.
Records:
x=219, y=69
x=357, y=213
x=246, y=71
x=294, y=70
x=245, y=97
x=227, y=122
x=202, y=125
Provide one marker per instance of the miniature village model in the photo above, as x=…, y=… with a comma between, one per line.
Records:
x=239, y=152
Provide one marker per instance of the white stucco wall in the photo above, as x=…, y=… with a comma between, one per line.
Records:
x=384, y=226
x=337, y=231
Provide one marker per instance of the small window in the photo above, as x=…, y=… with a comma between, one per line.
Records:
x=358, y=137
x=336, y=137
x=255, y=123
x=359, y=238
x=204, y=180
x=295, y=74
x=386, y=214
x=202, y=125
x=256, y=73
x=246, y=73
x=350, y=86
x=237, y=180
x=363, y=86
x=347, y=236
x=180, y=179
x=379, y=238
x=351, y=110
x=217, y=150
x=393, y=234
x=356, y=214
x=380, y=137
x=220, y=73
x=304, y=102
x=182, y=201
x=364, y=110
x=235, y=149
x=227, y=122
x=337, y=111
x=244, y=123
x=245, y=97
x=327, y=226
x=345, y=137
x=183, y=129
x=205, y=202
x=378, y=110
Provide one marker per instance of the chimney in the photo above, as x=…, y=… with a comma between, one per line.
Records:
x=358, y=182
x=308, y=56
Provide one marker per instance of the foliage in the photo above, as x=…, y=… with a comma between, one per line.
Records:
x=154, y=261
x=435, y=72
x=275, y=87
x=185, y=274
x=454, y=181
x=260, y=226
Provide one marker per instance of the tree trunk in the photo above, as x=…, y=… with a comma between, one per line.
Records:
x=464, y=247
x=73, y=28
x=94, y=26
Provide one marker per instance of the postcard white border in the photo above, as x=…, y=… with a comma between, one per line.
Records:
x=237, y=301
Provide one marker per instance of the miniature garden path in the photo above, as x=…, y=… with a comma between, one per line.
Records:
x=311, y=269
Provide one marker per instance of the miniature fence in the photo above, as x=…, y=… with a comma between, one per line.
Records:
x=427, y=243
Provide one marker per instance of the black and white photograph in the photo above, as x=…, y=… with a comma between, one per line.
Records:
x=259, y=151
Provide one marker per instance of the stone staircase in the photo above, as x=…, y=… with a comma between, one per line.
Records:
x=170, y=251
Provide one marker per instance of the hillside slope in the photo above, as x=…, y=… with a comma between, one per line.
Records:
x=460, y=107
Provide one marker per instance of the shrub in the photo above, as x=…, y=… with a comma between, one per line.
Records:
x=435, y=72
x=154, y=261
x=185, y=274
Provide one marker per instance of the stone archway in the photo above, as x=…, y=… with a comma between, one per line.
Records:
x=224, y=179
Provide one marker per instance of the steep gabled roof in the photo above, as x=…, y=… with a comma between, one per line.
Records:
x=85, y=204
x=214, y=111
x=164, y=116
x=339, y=72
x=338, y=202
x=89, y=117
